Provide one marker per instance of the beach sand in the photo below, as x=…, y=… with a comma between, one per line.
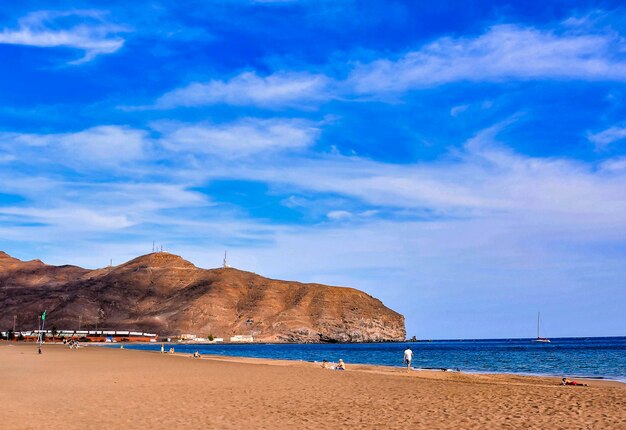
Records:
x=102, y=388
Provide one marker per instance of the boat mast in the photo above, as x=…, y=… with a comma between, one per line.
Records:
x=538, y=316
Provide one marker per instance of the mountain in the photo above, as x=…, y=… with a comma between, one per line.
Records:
x=163, y=293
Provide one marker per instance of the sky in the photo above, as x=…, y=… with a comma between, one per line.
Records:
x=464, y=163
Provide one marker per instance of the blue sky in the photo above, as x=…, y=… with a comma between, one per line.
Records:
x=465, y=164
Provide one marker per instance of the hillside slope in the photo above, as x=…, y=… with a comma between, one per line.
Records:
x=163, y=293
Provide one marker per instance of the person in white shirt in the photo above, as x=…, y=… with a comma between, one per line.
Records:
x=408, y=356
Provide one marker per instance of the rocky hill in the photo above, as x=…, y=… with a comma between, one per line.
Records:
x=165, y=294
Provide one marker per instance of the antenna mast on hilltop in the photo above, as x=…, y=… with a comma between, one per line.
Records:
x=225, y=262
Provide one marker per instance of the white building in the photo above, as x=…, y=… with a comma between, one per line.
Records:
x=187, y=336
x=242, y=338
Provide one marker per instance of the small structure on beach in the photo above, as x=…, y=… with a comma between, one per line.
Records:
x=242, y=338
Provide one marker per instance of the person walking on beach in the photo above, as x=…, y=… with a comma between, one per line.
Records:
x=408, y=356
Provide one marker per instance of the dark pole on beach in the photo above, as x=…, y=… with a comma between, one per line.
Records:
x=39, y=337
x=43, y=323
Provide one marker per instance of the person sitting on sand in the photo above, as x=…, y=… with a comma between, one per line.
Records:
x=341, y=365
x=566, y=381
x=196, y=354
x=172, y=350
x=324, y=364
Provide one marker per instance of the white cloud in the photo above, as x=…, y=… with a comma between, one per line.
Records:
x=240, y=139
x=456, y=110
x=103, y=146
x=605, y=137
x=482, y=180
x=614, y=164
x=77, y=209
x=486, y=179
x=91, y=34
x=77, y=218
x=138, y=198
x=339, y=215
x=504, y=52
x=121, y=148
x=342, y=215
x=274, y=1
x=249, y=89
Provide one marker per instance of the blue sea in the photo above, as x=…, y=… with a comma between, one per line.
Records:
x=597, y=357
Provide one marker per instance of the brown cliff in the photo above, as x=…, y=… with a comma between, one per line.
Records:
x=166, y=294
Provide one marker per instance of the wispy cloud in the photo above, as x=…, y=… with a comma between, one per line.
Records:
x=243, y=138
x=102, y=146
x=604, y=138
x=457, y=110
x=87, y=31
x=503, y=53
x=485, y=179
x=88, y=207
x=614, y=164
x=127, y=150
x=573, y=50
x=339, y=215
x=248, y=89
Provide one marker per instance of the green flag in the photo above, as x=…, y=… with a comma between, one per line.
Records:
x=43, y=316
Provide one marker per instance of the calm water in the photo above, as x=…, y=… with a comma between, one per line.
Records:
x=600, y=357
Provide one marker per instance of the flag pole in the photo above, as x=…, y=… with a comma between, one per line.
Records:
x=38, y=328
x=43, y=323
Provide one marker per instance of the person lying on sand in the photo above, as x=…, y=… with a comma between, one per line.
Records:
x=566, y=381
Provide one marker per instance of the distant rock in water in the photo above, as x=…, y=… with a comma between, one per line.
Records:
x=165, y=294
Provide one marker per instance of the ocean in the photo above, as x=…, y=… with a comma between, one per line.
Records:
x=596, y=357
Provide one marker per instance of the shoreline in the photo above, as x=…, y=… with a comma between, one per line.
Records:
x=115, y=345
x=607, y=379
x=365, y=367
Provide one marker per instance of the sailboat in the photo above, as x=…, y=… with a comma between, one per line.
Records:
x=539, y=338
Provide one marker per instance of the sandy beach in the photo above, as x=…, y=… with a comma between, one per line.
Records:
x=102, y=388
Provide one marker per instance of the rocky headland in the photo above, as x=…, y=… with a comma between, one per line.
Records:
x=165, y=294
